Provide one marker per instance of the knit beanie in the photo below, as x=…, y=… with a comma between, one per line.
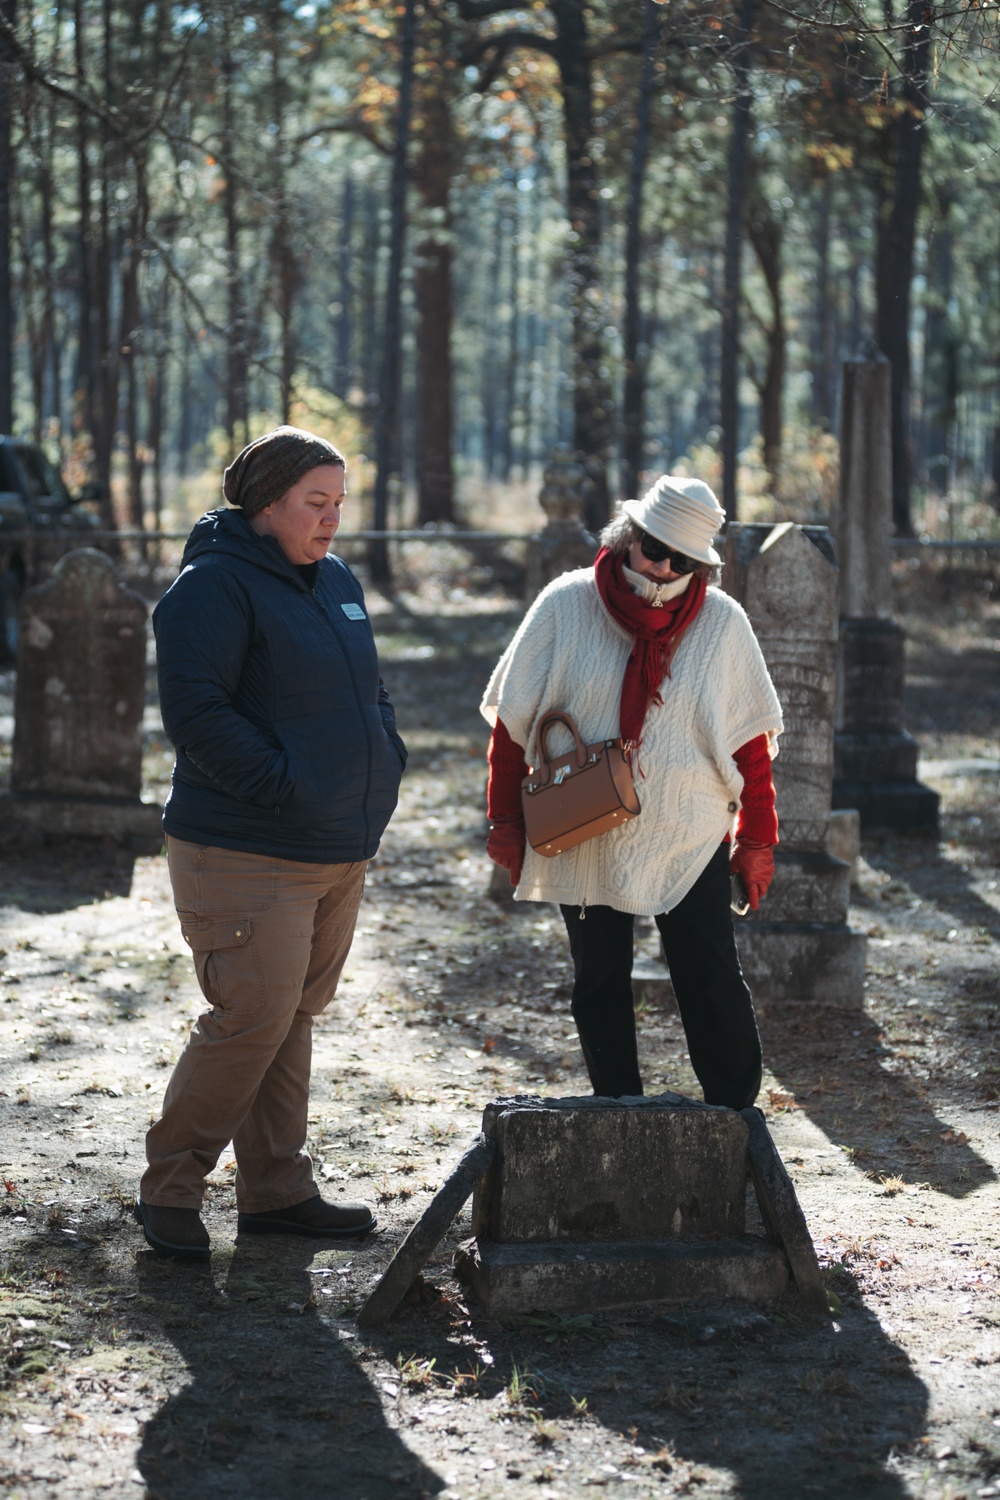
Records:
x=268, y=467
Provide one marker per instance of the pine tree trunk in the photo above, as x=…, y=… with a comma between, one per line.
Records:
x=434, y=296
x=284, y=264
x=593, y=405
x=7, y=9
x=633, y=396
x=823, y=374
x=389, y=385
x=897, y=225
x=130, y=344
x=236, y=349
x=765, y=236
x=491, y=345
x=343, y=370
x=108, y=369
x=729, y=407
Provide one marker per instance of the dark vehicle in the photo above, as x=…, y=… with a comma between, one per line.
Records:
x=39, y=521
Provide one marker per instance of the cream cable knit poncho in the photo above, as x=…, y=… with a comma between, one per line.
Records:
x=570, y=654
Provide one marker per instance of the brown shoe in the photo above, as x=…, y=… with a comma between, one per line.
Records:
x=314, y=1217
x=173, y=1231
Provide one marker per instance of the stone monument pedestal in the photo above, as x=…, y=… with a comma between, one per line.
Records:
x=798, y=945
x=78, y=706
x=599, y=1203
x=875, y=760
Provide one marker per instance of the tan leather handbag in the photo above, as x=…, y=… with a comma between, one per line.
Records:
x=576, y=796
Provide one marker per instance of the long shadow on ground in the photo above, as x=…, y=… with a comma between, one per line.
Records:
x=830, y=1059
x=790, y=1406
x=60, y=877
x=278, y=1406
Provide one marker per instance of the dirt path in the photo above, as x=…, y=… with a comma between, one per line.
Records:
x=136, y=1376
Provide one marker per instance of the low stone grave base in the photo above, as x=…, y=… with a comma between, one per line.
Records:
x=892, y=806
x=127, y=820
x=803, y=961
x=572, y=1278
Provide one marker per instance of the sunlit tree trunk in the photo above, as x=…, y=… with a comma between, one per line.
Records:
x=236, y=348
x=389, y=385
x=7, y=10
x=593, y=405
x=108, y=371
x=729, y=407
x=131, y=343
x=285, y=267
x=343, y=366
x=156, y=395
x=766, y=237
x=633, y=396
x=897, y=226
x=434, y=257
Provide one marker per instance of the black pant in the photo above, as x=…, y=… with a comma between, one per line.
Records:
x=712, y=995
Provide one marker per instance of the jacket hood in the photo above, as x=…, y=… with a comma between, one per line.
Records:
x=228, y=532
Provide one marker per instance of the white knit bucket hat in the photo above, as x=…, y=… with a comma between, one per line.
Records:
x=681, y=513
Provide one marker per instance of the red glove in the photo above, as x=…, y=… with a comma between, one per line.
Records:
x=505, y=846
x=755, y=862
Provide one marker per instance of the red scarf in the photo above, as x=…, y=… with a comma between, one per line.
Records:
x=654, y=628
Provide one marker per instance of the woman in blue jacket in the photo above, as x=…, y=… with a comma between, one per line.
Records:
x=287, y=772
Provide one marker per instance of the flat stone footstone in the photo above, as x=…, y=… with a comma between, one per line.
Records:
x=782, y=1215
x=425, y=1236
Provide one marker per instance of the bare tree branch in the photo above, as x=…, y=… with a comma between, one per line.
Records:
x=352, y=125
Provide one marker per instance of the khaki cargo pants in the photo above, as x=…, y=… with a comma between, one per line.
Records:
x=269, y=938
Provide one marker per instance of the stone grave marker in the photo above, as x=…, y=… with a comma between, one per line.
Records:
x=590, y=1203
x=798, y=945
x=564, y=542
x=875, y=760
x=78, y=707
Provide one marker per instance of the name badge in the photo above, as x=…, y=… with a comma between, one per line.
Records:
x=353, y=611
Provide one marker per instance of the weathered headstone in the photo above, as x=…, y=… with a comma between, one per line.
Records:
x=798, y=945
x=564, y=542
x=591, y=1203
x=78, y=706
x=875, y=760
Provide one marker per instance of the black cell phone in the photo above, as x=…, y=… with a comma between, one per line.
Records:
x=739, y=901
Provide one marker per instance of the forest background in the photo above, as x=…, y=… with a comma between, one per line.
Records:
x=454, y=234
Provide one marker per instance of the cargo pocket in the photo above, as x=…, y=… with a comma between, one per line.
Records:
x=226, y=961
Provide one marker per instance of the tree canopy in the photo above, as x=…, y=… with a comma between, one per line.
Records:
x=651, y=232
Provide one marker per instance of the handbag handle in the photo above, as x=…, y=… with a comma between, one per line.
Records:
x=554, y=716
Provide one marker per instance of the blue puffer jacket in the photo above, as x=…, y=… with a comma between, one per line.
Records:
x=270, y=692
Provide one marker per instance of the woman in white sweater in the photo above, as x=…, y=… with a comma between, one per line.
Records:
x=703, y=725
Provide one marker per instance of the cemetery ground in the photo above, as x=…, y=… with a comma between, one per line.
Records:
x=130, y=1374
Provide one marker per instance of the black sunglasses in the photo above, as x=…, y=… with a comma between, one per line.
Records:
x=656, y=551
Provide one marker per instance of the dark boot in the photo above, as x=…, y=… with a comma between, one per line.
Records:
x=173, y=1231
x=314, y=1217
